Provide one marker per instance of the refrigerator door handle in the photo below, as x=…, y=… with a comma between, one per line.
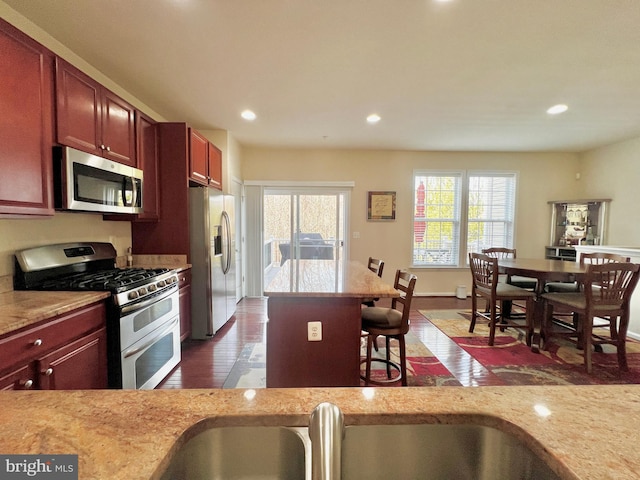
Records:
x=226, y=242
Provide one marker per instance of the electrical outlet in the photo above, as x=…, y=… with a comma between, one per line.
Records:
x=314, y=331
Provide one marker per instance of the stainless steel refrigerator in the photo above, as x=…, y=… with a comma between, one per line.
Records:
x=213, y=271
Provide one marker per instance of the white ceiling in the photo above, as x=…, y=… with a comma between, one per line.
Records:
x=473, y=75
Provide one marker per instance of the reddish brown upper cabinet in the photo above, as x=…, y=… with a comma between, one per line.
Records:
x=26, y=124
x=215, y=166
x=91, y=118
x=205, y=161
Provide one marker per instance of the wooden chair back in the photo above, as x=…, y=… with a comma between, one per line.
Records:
x=376, y=266
x=500, y=252
x=610, y=285
x=405, y=283
x=484, y=271
x=598, y=258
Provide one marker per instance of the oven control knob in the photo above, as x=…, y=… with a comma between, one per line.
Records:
x=152, y=288
x=171, y=280
x=161, y=283
x=142, y=291
x=132, y=295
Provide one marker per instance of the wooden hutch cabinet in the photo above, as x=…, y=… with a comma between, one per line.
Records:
x=93, y=119
x=26, y=124
x=576, y=222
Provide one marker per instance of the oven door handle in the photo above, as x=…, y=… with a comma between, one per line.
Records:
x=133, y=351
x=146, y=303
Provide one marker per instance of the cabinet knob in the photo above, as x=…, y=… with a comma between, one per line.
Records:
x=26, y=384
x=37, y=343
x=108, y=148
x=48, y=372
x=102, y=147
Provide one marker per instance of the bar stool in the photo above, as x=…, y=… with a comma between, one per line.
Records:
x=391, y=323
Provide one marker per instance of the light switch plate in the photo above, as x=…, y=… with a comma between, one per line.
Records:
x=314, y=331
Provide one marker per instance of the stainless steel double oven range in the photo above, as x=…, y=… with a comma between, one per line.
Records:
x=143, y=320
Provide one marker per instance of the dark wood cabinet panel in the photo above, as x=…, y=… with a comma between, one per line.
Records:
x=184, y=279
x=91, y=118
x=198, y=157
x=147, y=143
x=26, y=124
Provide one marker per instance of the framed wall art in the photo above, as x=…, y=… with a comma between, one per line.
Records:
x=381, y=206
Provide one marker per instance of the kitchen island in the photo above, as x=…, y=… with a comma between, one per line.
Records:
x=313, y=332
x=132, y=435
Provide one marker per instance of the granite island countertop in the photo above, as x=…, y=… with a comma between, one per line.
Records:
x=587, y=433
x=327, y=278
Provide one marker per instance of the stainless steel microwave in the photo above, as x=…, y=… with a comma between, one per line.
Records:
x=90, y=183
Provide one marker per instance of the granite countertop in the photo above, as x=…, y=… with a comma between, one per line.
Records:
x=327, y=278
x=131, y=434
x=22, y=308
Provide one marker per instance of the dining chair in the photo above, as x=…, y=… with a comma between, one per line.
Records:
x=518, y=281
x=376, y=266
x=605, y=295
x=391, y=323
x=596, y=258
x=484, y=270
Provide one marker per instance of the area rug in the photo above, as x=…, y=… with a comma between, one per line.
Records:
x=515, y=364
x=423, y=368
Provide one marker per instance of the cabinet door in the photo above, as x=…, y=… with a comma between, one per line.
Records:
x=78, y=101
x=79, y=365
x=22, y=378
x=26, y=124
x=118, y=129
x=198, y=157
x=147, y=139
x=215, y=167
x=184, y=278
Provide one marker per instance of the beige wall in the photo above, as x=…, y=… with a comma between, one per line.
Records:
x=614, y=172
x=542, y=177
x=62, y=228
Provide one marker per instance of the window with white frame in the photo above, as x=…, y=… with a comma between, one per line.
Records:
x=460, y=212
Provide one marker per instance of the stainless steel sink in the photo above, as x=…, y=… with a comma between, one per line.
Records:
x=433, y=452
x=242, y=453
x=424, y=451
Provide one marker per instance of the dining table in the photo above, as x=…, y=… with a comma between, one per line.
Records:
x=544, y=271
x=314, y=322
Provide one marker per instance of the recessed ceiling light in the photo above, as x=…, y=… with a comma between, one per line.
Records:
x=556, y=109
x=248, y=115
x=373, y=118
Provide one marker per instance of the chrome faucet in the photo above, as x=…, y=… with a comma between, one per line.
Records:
x=326, y=429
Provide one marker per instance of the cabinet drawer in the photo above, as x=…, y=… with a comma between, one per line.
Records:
x=35, y=342
x=23, y=378
x=184, y=278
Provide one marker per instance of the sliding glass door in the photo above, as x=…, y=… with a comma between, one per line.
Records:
x=307, y=223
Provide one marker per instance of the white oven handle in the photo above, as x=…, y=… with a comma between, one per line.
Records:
x=133, y=351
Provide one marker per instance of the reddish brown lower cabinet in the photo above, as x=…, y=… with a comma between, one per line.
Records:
x=80, y=365
x=26, y=125
x=184, y=279
x=66, y=352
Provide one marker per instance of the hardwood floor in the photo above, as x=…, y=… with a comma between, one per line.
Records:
x=206, y=364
